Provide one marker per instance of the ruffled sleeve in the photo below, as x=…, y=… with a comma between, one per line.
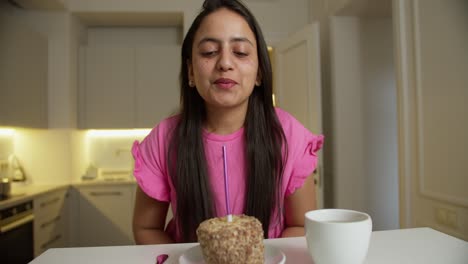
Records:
x=305, y=159
x=149, y=169
x=302, y=148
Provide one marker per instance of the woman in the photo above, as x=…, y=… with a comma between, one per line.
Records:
x=226, y=100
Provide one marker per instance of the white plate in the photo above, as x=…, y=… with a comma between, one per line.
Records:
x=193, y=255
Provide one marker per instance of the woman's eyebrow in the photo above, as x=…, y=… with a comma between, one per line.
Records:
x=219, y=41
x=241, y=39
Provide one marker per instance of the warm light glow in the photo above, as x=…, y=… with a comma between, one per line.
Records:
x=7, y=132
x=119, y=133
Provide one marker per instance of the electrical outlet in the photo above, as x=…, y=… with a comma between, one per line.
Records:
x=452, y=219
x=446, y=217
x=3, y=167
x=441, y=216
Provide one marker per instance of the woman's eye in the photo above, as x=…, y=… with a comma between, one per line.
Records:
x=241, y=54
x=208, y=53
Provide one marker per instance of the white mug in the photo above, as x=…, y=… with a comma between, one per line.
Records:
x=338, y=236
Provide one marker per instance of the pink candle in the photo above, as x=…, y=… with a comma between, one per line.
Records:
x=226, y=185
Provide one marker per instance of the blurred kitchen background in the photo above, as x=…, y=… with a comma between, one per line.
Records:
x=80, y=80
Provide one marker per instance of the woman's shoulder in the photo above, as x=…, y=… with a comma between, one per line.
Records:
x=297, y=135
x=288, y=121
x=165, y=127
x=169, y=122
x=293, y=129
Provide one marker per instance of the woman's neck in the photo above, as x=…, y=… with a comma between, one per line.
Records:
x=224, y=121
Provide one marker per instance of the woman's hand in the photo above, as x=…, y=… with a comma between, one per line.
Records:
x=296, y=205
x=149, y=218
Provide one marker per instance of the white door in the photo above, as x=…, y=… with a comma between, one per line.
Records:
x=432, y=62
x=298, y=86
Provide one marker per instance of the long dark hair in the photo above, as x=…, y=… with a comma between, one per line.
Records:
x=263, y=135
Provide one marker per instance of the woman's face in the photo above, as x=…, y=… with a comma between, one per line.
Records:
x=224, y=66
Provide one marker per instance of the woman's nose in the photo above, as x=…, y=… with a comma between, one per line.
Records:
x=225, y=61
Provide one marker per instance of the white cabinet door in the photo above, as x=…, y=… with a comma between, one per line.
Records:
x=298, y=85
x=23, y=76
x=157, y=83
x=128, y=87
x=105, y=215
x=107, y=89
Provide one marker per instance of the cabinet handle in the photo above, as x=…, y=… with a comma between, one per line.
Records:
x=45, y=224
x=49, y=202
x=54, y=239
x=106, y=193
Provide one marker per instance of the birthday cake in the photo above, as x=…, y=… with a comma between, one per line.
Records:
x=239, y=241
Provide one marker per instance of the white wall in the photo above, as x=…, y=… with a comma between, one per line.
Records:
x=6, y=146
x=363, y=91
x=347, y=117
x=380, y=122
x=79, y=159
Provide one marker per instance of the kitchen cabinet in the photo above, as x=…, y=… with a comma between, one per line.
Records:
x=105, y=215
x=127, y=86
x=23, y=75
x=51, y=221
x=156, y=83
x=108, y=80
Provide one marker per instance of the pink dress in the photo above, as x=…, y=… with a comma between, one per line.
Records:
x=151, y=170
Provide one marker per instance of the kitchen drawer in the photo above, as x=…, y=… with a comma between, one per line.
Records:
x=50, y=204
x=45, y=229
x=56, y=240
x=48, y=231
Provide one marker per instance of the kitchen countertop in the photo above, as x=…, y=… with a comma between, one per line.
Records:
x=20, y=194
x=104, y=182
x=29, y=192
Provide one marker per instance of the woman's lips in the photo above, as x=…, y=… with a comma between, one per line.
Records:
x=225, y=83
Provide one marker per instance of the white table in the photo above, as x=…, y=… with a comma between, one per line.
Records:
x=404, y=246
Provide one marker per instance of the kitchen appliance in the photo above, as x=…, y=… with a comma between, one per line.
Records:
x=107, y=174
x=112, y=174
x=16, y=170
x=5, y=188
x=16, y=234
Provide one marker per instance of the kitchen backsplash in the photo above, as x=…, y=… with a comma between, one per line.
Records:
x=111, y=152
x=51, y=156
x=6, y=145
x=112, y=149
